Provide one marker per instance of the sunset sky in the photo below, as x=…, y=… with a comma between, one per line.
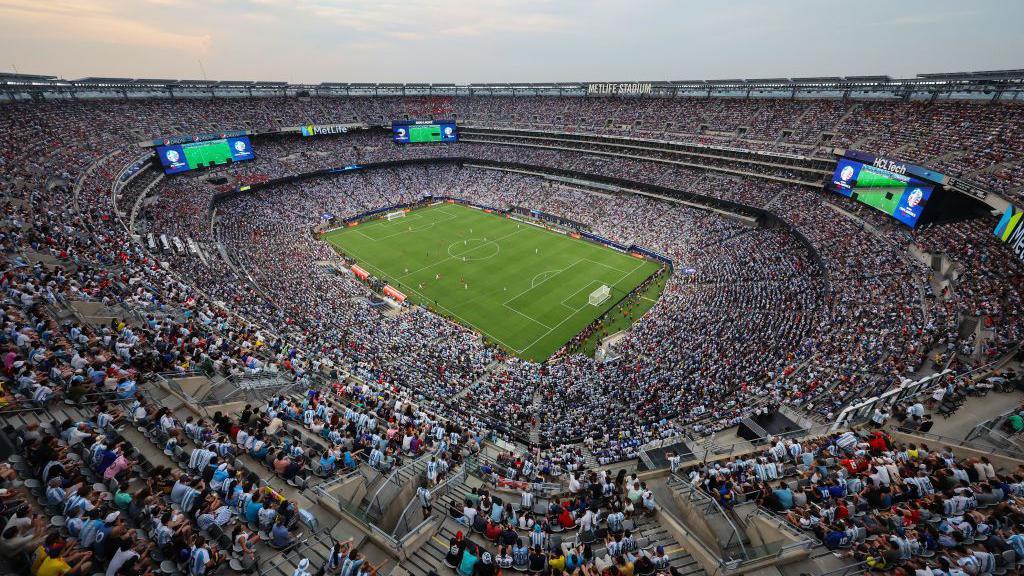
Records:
x=504, y=40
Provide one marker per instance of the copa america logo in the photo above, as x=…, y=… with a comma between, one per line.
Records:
x=172, y=156
x=846, y=173
x=915, y=197
x=240, y=146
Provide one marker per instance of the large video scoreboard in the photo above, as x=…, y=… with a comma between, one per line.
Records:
x=412, y=132
x=900, y=190
x=177, y=158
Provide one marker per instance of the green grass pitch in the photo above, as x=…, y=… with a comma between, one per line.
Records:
x=523, y=287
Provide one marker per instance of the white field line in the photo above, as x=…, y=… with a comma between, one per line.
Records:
x=543, y=281
x=407, y=231
x=551, y=329
x=566, y=319
x=605, y=265
x=427, y=300
x=454, y=257
x=585, y=286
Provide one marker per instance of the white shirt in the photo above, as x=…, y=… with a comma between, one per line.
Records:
x=121, y=557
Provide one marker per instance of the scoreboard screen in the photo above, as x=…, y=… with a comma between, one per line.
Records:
x=899, y=195
x=417, y=132
x=177, y=158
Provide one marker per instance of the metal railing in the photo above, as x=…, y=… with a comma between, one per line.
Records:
x=749, y=553
x=291, y=557
x=863, y=410
x=412, y=520
x=803, y=541
x=706, y=550
x=721, y=450
x=540, y=489
x=391, y=487
x=993, y=428
x=340, y=477
x=711, y=508
x=1006, y=448
x=908, y=391
x=175, y=388
x=354, y=513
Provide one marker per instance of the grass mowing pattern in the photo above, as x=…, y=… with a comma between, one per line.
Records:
x=526, y=288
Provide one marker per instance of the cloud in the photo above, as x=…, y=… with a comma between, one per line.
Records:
x=436, y=18
x=92, y=21
x=503, y=40
x=921, y=19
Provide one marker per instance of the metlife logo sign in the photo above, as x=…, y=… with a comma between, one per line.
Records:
x=320, y=130
x=1010, y=230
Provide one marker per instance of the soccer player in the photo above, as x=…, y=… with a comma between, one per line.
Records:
x=536, y=250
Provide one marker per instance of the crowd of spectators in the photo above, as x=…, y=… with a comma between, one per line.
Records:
x=600, y=509
x=750, y=315
x=958, y=138
x=897, y=507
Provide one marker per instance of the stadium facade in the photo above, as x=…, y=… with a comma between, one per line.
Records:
x=838, y=267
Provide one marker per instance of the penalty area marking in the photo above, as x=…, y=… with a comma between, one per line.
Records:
x=385, y=223
x=544, y=276
x=567, y=318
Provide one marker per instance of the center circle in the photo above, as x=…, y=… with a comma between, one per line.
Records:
x=473, y=249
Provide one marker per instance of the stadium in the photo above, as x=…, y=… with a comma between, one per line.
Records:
x=762, y=326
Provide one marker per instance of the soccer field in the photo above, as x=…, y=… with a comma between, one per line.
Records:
x=524, y=287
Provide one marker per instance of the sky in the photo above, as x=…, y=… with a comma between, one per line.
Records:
x=462, y=41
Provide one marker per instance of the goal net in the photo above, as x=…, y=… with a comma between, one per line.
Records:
x=600, y=295
x=392, y=215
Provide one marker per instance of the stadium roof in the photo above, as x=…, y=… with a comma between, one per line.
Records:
x=867, y=78
x=7, y=76
x=983, y=75
x=819, y=79
x=982, y=82
x=102, y=80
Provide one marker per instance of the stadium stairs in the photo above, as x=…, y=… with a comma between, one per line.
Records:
x=315, y=544
x=142, y=446
x=384, y=493
x=650, y=532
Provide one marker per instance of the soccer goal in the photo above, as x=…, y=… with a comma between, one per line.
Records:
x=597, y=297
x=393, y=215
